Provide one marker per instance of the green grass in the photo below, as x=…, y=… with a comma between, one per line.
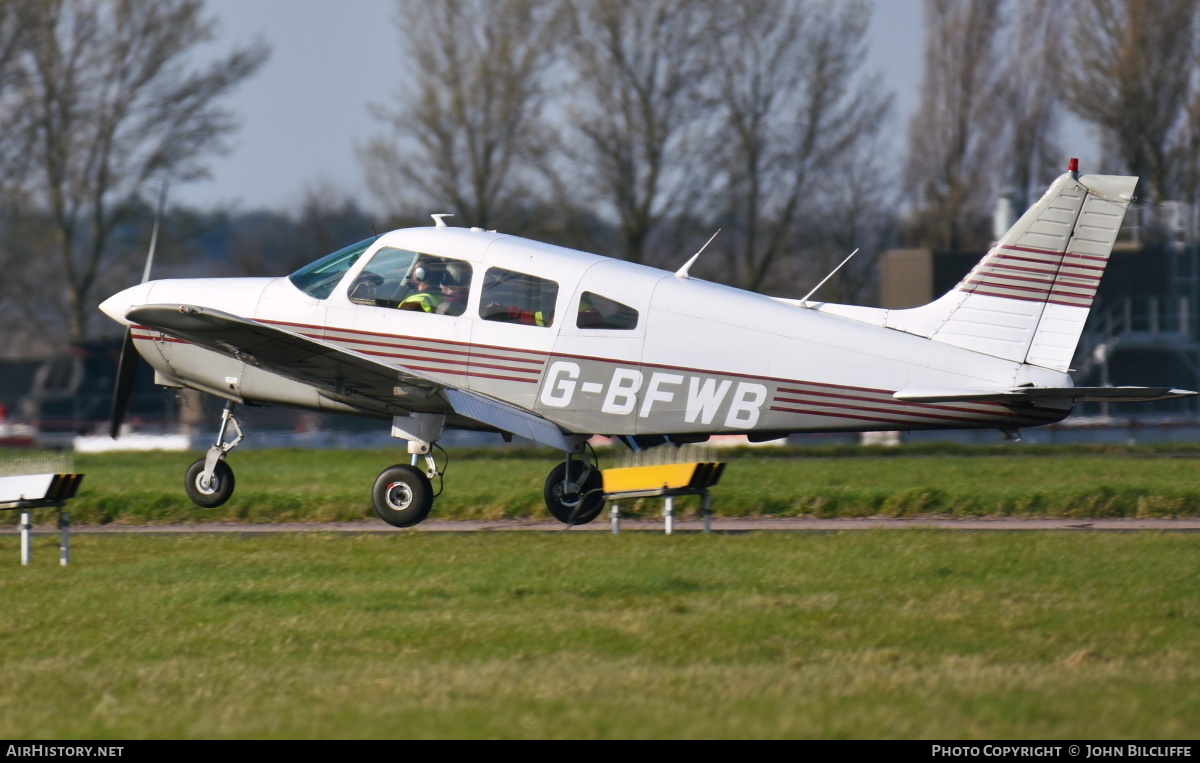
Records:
x=1027, y=481
x=874, y=634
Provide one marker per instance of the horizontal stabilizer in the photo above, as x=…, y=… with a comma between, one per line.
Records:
x=1035, y=394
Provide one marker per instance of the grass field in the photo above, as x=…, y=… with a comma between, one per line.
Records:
x=307, y=485
x=902, y=634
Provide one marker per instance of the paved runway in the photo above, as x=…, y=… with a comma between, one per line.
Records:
x=690, y=525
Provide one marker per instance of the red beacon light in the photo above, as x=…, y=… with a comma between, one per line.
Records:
x=1073, y=167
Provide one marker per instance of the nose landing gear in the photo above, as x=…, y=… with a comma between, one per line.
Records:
x=209, y=481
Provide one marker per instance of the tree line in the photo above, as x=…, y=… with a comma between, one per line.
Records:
x=631, y=128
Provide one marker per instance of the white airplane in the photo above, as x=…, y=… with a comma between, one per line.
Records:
x=441, y=327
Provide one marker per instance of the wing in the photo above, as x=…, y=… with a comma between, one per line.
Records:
x=340, y=374
x=343, y=375
x=1038, y=394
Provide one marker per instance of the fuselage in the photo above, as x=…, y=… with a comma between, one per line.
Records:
x=596, y=345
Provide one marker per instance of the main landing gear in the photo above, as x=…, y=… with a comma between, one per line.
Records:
x=573, y=492
x=403, y=493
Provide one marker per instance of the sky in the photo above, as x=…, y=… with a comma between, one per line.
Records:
x=306, y=110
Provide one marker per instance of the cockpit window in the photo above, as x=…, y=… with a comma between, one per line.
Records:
x=404, y=280
x=317, y=279
x=596, y=312
x=514, y=297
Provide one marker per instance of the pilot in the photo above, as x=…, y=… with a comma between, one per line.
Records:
x=428, y=295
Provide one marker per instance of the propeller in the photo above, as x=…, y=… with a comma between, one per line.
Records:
x=128, y=364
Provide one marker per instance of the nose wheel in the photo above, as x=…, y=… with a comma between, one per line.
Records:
x=206, y=491
x=209, y=481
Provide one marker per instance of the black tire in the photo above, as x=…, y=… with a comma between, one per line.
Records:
x=577, y=508
x=402, y=495
x=218, y=491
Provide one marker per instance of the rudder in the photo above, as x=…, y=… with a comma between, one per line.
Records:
x=1027, y=300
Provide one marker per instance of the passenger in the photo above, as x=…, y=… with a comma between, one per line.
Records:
x=499, y=312
x=428, y=295
x=589, y=316
x=454, y=289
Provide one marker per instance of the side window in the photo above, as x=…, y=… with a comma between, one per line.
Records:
x=404, y=280
x=515, y=297
x=384, y=281
x=596, y=312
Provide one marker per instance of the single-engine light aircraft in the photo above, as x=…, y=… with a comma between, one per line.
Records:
x=442, y=327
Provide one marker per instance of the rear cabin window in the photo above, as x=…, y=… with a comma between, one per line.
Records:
x=405, y=280
x=597, y=312
x=513, y=297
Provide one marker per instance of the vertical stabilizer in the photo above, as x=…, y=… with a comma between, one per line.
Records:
x=1028, y=298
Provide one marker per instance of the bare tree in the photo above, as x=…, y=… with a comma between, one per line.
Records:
x=28, y=282
x=264, y=243
x=857, y=211
x=953, y=135
x=16, y=16
x=468, y=127
x=1132, y=73
x=635, y=110
x=795, y=112
x=1189, y=183
x=110, y=103
x=1033, y=100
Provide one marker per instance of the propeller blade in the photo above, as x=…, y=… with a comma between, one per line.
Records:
x=126, y=371
x=127, y=365
x=162, y=200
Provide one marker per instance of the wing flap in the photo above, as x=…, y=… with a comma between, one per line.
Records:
x=1038, y=394
x=508, y=418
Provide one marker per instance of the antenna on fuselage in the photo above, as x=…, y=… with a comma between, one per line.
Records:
x=437, y=219
x=804, y=301
x=683, y=271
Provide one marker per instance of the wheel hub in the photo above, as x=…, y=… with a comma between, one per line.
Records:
x=568, y=493
x=399, y=496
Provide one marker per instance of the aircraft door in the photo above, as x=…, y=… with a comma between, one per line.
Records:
x=593, y=382
x=515, y=321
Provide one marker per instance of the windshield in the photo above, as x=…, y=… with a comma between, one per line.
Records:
x=317, y=279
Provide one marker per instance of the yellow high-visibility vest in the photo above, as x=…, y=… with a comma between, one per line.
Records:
x=428, y=302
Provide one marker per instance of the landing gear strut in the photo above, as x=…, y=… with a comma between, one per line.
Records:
x=574, y=492
x=209, y=481
x=403, y=493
